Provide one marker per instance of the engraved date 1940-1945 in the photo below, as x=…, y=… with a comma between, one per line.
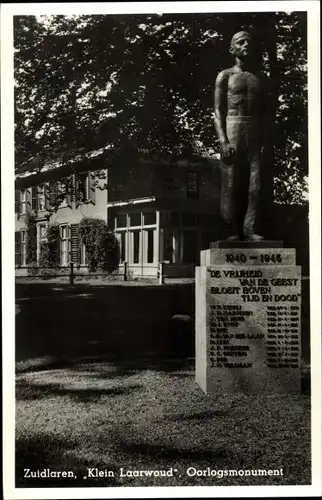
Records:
x=263, y=258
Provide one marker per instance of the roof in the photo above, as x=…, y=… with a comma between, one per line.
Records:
x=198, y=149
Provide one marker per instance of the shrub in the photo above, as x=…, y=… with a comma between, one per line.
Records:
x=31, y=243
x=48, y=253
x=102, y=248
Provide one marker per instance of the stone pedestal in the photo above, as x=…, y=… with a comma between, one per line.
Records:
x=246, y=244
x=248, y=307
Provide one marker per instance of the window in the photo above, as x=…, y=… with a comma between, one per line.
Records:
x=122, y=246
x=150, y=246
x=20, y=248
x=62, y=194
x=34, y=198
x=149, y=218
x=137, y=241
x=23, y=247
x=121, y=220
x=83, y=186
x=135, y=219
x=121, y=238
x=82, y=254
x=64, y=245
x=38, y=198
x=41, y=197
x=23, y=201
x=41, y=236
x=136, y=246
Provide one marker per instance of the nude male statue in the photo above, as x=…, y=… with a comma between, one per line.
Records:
x=241, y=110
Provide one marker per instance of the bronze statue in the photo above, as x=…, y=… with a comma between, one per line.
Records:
x=241, y=110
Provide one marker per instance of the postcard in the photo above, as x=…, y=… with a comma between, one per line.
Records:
x=161, y=249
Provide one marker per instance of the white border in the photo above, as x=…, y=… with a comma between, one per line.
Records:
x=8, y=295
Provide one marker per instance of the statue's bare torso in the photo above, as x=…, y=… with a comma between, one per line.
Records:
x=242, y=92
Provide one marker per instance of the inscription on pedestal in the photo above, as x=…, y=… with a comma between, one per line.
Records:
x=248, y=257
x=249, y=328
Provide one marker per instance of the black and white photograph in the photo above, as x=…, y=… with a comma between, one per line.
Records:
x=161, y=249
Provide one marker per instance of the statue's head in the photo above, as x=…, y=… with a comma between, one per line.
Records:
x=241, y=44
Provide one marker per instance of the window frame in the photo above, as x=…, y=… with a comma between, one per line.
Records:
x=127, y=233
x=41, y=239
x=23, y=202
x=61, y=188
x=61, y=240
x=87, y=187
x=149, y=245
x=41, y=195
x=134, y=232
x=82, y=254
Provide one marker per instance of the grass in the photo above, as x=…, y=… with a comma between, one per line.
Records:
x=78, y=405
x=152, y=415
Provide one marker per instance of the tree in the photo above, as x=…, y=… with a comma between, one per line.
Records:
x=144, y=84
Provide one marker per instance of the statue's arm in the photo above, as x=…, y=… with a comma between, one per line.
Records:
x=221, y=107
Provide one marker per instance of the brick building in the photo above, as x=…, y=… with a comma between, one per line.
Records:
x=159, y=210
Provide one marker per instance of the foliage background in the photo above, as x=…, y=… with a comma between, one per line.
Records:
x=144, y=84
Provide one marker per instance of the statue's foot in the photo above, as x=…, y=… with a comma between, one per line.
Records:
x=254, y=237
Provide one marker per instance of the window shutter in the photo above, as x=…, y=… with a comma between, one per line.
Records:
x=74, y=243
x=34, y=198
x=47, y=196
x=28, y=199
x=17, y=249
x=57, y=246
x=91, y=191
x=53, y=194
x=77, y=193
x=17, y=202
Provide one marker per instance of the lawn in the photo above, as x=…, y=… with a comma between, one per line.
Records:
x=145, y=414
x=100, y=384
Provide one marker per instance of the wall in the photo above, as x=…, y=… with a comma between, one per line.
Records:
x=164, y=181
x=73, y=214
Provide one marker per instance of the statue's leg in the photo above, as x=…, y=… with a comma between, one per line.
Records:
x=252, y=214
x=229, y=179
x=241, y=191
x=227, y=199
